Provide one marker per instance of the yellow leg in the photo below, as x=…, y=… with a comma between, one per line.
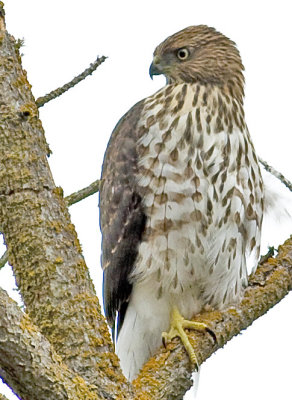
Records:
x=177, y=326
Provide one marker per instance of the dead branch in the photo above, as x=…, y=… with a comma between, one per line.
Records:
x=4, y=259
x=83, y=193
x=41, y=101
x=276, y=174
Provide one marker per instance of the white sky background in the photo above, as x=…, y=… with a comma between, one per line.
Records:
x=63, y=37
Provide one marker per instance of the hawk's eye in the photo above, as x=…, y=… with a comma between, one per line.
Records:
x=182, y=54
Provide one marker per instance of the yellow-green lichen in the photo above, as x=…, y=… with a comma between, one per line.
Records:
x=59, y=192
x=57, y=226
x=20, y=81
x=28, y=109
x=82, y=390
x=27, y=325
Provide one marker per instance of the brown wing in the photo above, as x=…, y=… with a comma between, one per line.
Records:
x=122, y=218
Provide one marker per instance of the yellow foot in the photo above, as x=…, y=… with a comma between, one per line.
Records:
x=177, y=326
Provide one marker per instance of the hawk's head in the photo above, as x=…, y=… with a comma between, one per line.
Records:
x=198, y=54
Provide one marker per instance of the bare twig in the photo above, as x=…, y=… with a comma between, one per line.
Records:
x=276, y=174
x=58, y=92
x=83, y=193
x=4, y=259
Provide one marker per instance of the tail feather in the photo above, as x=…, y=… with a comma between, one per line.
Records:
x=192, y=393
x=140, y=335
x=135, y=343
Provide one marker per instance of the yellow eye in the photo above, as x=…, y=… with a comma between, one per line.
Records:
x=182, y=54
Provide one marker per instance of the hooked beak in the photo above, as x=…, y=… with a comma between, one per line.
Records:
x=154, y=69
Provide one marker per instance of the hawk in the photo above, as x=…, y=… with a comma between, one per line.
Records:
x=181, y=201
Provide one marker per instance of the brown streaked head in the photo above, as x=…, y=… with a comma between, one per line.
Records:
x=199, y=54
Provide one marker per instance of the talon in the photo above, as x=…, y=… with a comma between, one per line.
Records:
x=270, y=253
x=177, y=326
x=212, y=334
x=196, y=365
x=163, y=340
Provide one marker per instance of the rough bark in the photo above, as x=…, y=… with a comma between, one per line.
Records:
x=64, y=335
x=29, y=363
x=42, y=243
x=70, y=200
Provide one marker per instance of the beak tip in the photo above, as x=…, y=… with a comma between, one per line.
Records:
x=153, y=70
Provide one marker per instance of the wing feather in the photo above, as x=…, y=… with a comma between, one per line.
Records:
x=122, y=217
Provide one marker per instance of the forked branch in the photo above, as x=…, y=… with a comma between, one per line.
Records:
x=55, y=284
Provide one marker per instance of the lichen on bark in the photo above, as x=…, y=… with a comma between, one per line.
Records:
x=43, y=247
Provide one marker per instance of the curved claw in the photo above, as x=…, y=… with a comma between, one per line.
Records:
x=212, y=334
x=177, y=326
x=163, y=340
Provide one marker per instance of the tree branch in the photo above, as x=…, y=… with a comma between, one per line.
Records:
x=4, y=259
x=43, y=247
x=71, y=199
x=58, y=92
x=83, y=193
x=276, y=173
x=269, y=285
x=29, y=363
